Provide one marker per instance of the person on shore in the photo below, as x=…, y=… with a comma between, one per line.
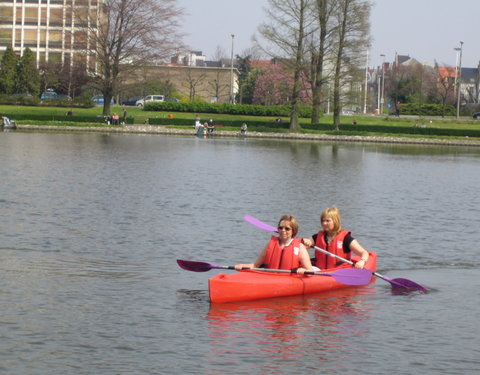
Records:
x=284, y=252
x=336, y=240
x=6, y=121
x=124, y=116
x=397, y=109
x=210, y=126
x=243, y=129
x=199, y=128
x=115, y=119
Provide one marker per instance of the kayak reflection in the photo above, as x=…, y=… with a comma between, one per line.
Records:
x=289, y=329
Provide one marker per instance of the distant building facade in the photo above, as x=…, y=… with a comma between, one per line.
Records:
x=55, y=30
x=211, y=84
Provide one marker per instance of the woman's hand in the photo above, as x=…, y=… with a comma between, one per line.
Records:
x=301, y=271
x=240, y=267
x=308, y=242
x=360, y=264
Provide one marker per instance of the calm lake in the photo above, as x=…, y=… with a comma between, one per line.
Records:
x=92, y=225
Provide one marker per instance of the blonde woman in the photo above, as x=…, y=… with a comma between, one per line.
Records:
x=336, y=240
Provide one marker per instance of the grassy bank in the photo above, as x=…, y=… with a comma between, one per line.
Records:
x=411, y=126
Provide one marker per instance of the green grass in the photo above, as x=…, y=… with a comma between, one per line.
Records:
x=346, y=121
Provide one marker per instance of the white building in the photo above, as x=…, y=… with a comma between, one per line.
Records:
x=55, y=30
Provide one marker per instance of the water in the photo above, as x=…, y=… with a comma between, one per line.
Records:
x=92, y=225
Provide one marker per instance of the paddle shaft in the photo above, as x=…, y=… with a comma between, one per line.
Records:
x=349, y=262
x=343, y=276
x=273, y=270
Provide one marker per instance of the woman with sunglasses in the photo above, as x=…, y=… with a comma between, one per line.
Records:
x=336, y=240
x=284, y=252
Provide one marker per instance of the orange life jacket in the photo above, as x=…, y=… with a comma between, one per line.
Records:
x=324, y=261
x=284, y=259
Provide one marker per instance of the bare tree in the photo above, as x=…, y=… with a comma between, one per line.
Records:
x=319, y=49
x=353, y=29
x=290, y=24
x=219, y=54
x=219, y=86
x=130, y=33
x=192, y=81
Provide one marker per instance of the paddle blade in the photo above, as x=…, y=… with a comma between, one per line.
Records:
x=352, y=276
x=401, y=284
x=190, y=265
x=259, y=224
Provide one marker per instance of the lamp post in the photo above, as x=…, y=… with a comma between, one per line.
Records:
x=231, y=74
x=459, y=73
x=382, y=98
x=366, y=86
x=457, y=49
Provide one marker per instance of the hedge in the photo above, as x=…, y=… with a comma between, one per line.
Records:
x=386, y=129
x=61, y=118
x=427, y=109
x=35, y=101
x=227, y=108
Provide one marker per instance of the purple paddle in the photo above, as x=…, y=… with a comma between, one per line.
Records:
x=347, y=276
x=400, y=284
x=259, y=224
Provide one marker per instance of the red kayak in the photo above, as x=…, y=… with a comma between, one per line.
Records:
x=252, y=285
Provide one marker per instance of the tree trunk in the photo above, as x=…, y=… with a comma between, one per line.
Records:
x=338, y=63
x=295, y=102
x=319, y=62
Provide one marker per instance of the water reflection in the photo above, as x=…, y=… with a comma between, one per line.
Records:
x=289, y=331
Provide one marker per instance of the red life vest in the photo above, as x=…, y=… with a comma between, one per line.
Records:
x=283, y=259
x=336, y=247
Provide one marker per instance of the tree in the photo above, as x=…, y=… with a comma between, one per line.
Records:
x=72, y=78
x=248, y=86
x=319, y=47
x=243, y=66
x=8, y=71
x=193, y=80
x=49, y=75
x=273, y=86
x=218, y=85
x=130, y=33
x=219, y=54
x=28, y=77
x=352, y=37
x=290, y=25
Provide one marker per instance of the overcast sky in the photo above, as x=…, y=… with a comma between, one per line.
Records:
x=427, y=30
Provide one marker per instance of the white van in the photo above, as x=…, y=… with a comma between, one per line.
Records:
x=150, y=98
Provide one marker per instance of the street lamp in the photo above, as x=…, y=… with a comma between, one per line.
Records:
x=457, y=49
x=382, y=99
x=231, y=74
x=459, y=73
x=366, y=87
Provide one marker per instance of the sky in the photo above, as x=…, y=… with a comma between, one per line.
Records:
x=427, y=30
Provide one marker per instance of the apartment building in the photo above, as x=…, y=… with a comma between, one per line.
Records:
x=55, y=30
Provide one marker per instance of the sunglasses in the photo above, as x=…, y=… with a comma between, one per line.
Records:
x=285, y=228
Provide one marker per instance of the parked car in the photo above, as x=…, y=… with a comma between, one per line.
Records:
x=132, y=101
x=99, y=100
x=150, y=98
x=63, y=96
x=476, y=116
x=175, y=100
x=50, y=94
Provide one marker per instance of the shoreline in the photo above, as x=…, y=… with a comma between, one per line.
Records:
x=163, y=130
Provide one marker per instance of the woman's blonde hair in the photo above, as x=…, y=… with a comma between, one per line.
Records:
x=293, y=223
x=334, y=214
